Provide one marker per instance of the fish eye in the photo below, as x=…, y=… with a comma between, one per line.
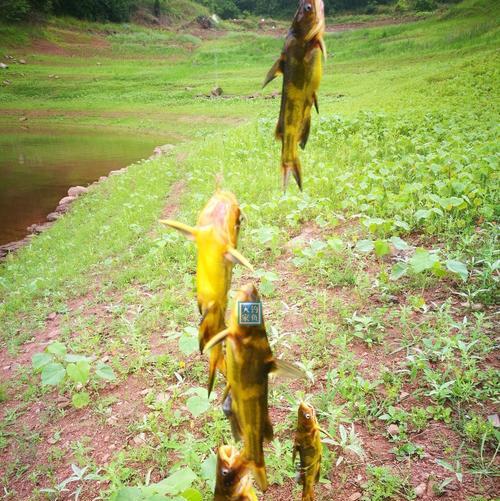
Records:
x=308, y=416
x=224, y=472
x=308, y=7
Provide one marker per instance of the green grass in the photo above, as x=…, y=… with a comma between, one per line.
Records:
x=405, y=146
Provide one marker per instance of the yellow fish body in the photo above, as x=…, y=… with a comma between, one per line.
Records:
x=233, y=480
x=249, y=361
x=301, y=65
x=216, y=237
x=308, y=444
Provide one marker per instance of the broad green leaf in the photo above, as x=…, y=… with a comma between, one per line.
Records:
x=364, y=245
x=79, y=372
x=57, y=348
x=80, y=400
x=399, y=270
x=197, y=405
x=128, y=494
x=422, y=214
x=336, y=244
x=399, y=243
x=70, y=357
x=104, y=371
x=208, y=467
x=381, y=248
x=188, y=343
x=422, y=260
x=52, y=374
x=266, y=287
x=174, y=484
x=458, y=267
x=38, y=360
x=192, y=495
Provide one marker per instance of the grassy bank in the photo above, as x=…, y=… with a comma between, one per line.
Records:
x=381, y=278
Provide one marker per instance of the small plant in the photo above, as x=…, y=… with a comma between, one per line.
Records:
x=367, y=328
x=383, y=484
x=408, y=450
x=347, y=441
x=79, y=475
x=58, y=367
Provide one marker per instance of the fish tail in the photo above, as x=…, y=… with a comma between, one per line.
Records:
x=291, y=167
x=260, y=475
x=290, y=163
x=216, y=361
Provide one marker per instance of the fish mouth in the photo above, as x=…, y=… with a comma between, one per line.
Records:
x=228, y=453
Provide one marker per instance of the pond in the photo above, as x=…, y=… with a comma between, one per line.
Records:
x=38, y=167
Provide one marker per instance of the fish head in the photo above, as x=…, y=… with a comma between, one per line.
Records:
x=232, y=469
x=223, y=214
x=247, y=294
x=306, y=417
x=309, y=20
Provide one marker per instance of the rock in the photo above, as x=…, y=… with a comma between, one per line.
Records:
x=53, y=216
x=22, y=61
x=66, y=200
x=105, y=359
x=403, y=395
x=76, y=191
x=36, y=229
x=112, y=420
x=53, y=333
x=139, y=439
x=163, y=150
x=103, y=178
x=3, y=66
x=145, y=391
x=494, y=420
x=116, y=172
x=7, y=82
x=393, y=430
x=216, y=91
x=23, y=119
x=162, y=397
x=205, y=22
x=355, y=496
x=420, y=489
x=52, y=316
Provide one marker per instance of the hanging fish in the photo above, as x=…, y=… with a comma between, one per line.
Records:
x=216, y=237
x=249, y=360
x=308, y=445
x=233, y=480
x=300, y=64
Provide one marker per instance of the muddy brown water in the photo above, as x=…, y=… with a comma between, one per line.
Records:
x=38, y=167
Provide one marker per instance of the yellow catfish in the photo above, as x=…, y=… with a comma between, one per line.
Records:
x=233, y=481
x=216, y=237
x=301, y=65
x=249, y=360
x=308, y=445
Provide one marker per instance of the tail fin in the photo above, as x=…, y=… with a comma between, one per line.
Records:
x=291, y=167
x=211, y=324
x=259, y=473
x=216, y=361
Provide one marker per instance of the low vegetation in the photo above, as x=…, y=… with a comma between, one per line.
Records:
x=380, y=279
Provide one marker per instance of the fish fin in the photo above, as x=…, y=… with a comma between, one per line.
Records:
x=218, y=338
x=294, y=452
x=259, y=473
x=187, y=231
x=287, y=369
x=292, y=167
x=235, y=257
x=305, y=132
x=275, y=70
x=322, y=46
x=268, y=431
x=318, y=474
x=327, y=434
x=216, y=361
x=209, y=323
x=315, y=99
x=278, y=133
